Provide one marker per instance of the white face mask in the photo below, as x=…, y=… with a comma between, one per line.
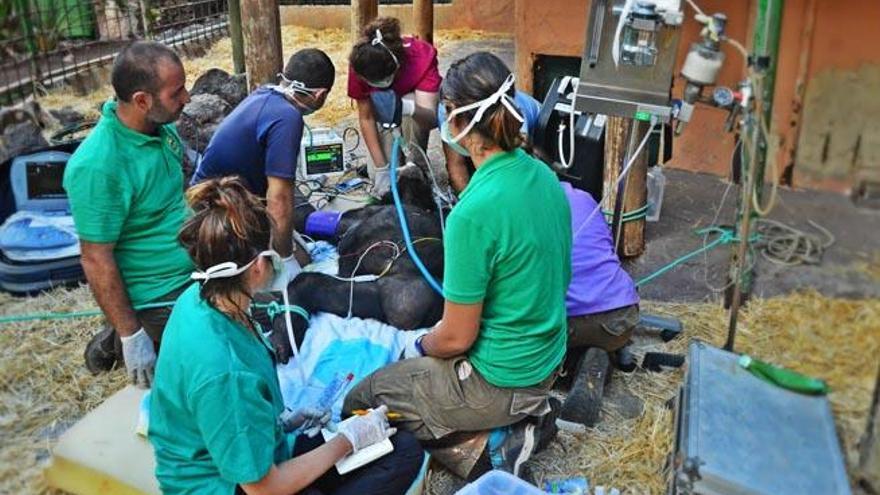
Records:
x=293, y=90
x=229, y=269
x=482, y=106
x=388, y=81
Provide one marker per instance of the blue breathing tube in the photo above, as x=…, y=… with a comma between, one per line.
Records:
x=404, y=227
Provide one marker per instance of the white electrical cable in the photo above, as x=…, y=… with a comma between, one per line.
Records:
x=774, y=167
x=615, y=44
x=367, y=278
x=435, y=188
x=567, y=163
x=739, y=47
x=623, y=175
x=289, y=323
x=695, y=7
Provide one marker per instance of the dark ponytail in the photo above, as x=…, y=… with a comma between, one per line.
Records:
x=372, y=61
x=228, y=224
x=474, y=78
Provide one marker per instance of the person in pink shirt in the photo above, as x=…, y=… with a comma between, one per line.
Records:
x=403, y=68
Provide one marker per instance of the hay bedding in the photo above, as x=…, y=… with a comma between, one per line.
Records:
x=44, y=386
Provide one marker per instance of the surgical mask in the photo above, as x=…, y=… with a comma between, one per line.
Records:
x=293, y=89
x=388, y=81
x=384, y=83
x=229, y=269
x=446, y=137
x=482, y=106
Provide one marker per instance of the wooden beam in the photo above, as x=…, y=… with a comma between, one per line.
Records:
x=261, y=27
x=423, y=15
x=362, y=12
x=622, y=136
x=236, y=37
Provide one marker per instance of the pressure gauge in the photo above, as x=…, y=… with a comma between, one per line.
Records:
x=722, y=96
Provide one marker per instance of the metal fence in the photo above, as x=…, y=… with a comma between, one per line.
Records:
x=348, y=2
x=46, y=42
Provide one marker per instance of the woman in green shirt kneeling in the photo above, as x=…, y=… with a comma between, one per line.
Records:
x=217, y=420
x=490, y=362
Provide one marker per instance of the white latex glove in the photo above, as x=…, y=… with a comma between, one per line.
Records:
x=363, y=431
x=409, y=349
x=381, y=181
x=309, y=420
x=289, y=270
x=407, y=105
x=139, y=354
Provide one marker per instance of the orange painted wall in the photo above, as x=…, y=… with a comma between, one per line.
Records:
x=846, y=36
x=487, y=15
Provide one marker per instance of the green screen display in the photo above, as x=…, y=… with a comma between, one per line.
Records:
x=320, y=155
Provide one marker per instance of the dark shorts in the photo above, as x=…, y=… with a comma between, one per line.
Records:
x=389, y=475
x=609, y=330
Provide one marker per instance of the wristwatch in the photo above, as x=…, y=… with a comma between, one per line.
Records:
x=419, y=347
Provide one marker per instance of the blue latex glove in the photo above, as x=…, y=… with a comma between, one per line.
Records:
x=387, y=108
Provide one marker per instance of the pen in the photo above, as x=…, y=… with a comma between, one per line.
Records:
x=389, y=415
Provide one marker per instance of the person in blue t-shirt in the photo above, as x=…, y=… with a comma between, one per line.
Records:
x=260, y=140
x=460, y=168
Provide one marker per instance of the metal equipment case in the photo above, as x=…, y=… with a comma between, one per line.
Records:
x=739, y=435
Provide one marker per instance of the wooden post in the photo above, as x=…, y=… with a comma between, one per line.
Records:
x=261, y=27
x=362, y=12
x=622, y=137
x=423, y=15
x=236, y=37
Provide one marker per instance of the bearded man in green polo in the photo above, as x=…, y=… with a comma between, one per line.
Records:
x=125, y=185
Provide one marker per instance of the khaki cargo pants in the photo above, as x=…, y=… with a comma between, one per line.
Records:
x=609, y=330
x=444, y=402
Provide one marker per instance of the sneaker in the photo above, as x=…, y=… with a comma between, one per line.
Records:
x=584, y=402
x=101, y=352
x=511, y=446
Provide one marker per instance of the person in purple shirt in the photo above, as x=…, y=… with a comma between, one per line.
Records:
x=260, y=141
x=602, y=305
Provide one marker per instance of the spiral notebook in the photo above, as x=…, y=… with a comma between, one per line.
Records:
x=364, y=456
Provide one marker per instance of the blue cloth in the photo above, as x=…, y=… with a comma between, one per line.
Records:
x=259, y=139
x=528, y=106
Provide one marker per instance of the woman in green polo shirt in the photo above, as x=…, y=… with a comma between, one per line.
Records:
x=217, y=420
x=491, y=360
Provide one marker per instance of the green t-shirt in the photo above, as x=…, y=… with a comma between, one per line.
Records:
x=126, y=188
x=508, y=244
x=214, y=403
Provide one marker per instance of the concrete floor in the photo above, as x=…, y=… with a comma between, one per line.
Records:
x=691, y=202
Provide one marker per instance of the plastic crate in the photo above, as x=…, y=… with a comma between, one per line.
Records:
x=499, y=483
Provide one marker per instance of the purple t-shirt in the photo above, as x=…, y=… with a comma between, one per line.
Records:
x=598, y=282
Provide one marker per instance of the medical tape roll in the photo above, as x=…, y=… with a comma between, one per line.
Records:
x=323, y=223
